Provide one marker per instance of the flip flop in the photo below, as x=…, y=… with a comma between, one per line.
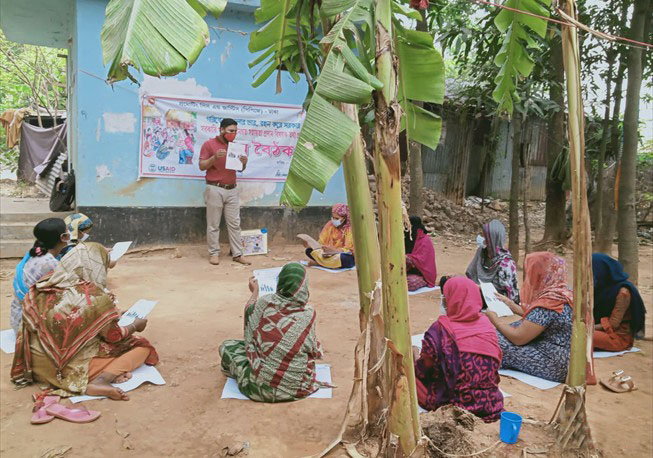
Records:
x=40, y=416
x=619, y=383
x=82, y=415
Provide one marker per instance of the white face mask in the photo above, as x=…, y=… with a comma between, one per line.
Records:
x=480, y=241
x=336, y=222
x=84, y=237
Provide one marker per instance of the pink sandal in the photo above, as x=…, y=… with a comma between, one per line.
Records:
x=40, y=416
x=82, y=415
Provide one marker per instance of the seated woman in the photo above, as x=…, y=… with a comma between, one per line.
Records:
x=619, y=311
x=460, y=357
x=276, y=360
x=539, y=343
x=70, y=337
x=420, y=256
x=79, y=226
x=51, y=238
x=494, y=264
x=335, y=247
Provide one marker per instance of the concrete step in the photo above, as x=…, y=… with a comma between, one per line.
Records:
x=16, y=231
x=31, y=218
x=15, y=248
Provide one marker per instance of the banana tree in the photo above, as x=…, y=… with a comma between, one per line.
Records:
x=349, y=77
x=575, y=430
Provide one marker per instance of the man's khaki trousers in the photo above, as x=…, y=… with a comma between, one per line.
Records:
x=219, y=200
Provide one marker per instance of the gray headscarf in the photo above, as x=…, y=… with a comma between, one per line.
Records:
x=485, y=264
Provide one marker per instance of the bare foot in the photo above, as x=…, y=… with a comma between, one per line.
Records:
x=312, y=263
x=107, y=390
x=101, y=386
x=122, y=378
x=240, y=260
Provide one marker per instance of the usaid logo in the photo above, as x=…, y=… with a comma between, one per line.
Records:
x=166, y=169
x=152, y=167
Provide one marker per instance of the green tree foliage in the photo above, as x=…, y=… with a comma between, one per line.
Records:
x=30, y=76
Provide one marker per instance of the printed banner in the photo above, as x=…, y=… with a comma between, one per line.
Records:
x=174, y=129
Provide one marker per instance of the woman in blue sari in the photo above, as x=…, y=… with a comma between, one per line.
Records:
x=51, y=237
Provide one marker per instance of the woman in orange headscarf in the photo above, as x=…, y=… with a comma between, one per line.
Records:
x=539, y=343
x=335, y=247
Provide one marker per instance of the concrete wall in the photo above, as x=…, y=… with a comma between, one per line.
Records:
x=105, y=135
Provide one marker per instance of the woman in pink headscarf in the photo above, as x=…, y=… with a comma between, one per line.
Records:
x=420, y=256
x=460, y=356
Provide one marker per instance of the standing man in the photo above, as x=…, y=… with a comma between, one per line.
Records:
x=221, y=193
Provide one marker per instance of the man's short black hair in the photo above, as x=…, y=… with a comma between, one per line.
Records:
x=226, y=122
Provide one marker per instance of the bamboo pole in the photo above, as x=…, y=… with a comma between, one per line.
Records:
x=575, y=430
x=403, y=418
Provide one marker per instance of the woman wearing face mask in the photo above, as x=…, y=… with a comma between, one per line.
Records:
x=539, y=343
x=494, y=264
x=70, y=337
x=335, y=247
x=460, y=356
x=51, y=238
x=79, y=226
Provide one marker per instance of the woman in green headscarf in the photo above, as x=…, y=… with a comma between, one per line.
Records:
x=276, y=360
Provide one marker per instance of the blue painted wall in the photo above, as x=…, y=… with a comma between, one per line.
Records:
x=105, y=130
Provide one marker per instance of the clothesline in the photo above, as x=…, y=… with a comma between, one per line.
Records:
x=602, y=35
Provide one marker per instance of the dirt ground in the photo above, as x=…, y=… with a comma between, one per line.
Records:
x=201, y=305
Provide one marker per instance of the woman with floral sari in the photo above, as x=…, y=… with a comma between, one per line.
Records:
x=70, y=337
x=492, y=263
x=539, y=343
x=335, y=247
x=276, y=360
x=460, y=356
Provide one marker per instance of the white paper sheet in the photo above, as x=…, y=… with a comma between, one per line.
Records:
x=118, y=250
x=332, y=271
x=231, y=391
x=8, y=340
x=492, y=302
x=537, y=382
x=425, y=289
x=267, y=280
x=416, y=340
x=608, y=354
x=140, y=309
x=141, y=375
x=234, y=151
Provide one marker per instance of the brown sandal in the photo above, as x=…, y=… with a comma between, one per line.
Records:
x=619, y=383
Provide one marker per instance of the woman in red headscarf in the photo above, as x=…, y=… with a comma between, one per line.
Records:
x=539, y=343
x=460, y=356
x=335, y=247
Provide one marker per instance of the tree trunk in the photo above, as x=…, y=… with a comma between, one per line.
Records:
x=363, y=223
x=365, y=407
x=627, y=220
x=574, y=429
x=527, y=184
x=554, y=220
x=605, y=237
x=403, y=418
x=604, y=144
x=513, y=236
x=416, y=194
